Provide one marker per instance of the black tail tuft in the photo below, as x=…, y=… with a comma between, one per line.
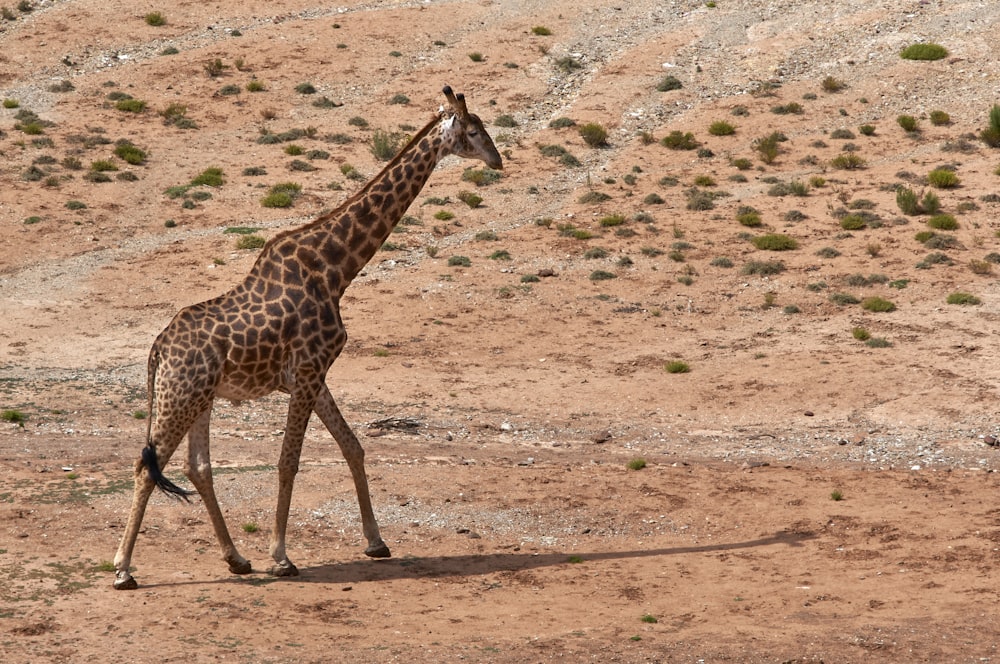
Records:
x=155, y=474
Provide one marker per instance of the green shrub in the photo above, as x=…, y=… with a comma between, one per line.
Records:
x=129, y=153
x=602, y=275
x=831, y=84
x=470, y=199
x=750, y=219
x=211, y=177
x=721, y=128
x=939, y=118
x=677, y=366
x=908, y=123
x=742, y=164
x=385, y=144
x=853, y=222
x=878, y=305
x=907, y=201
x=131, y=105
x=459, y=261
x=155, y=19
x=541, y=31
x=763, y=268
x=785, y=109
x=943, y=178
x=677, y=140
x=848, y=161
x=612, y=220
x=861, y=334
x=843, y=299
x=943, y=222
x=481, y=177
x=991, y=135
x=867, y=130
x=924, y=51
x=281, y=195
x=594, y=135
x=668, y=83
x=775, y=242
x=767, y=147
x=305, y=88
x=250, y=242
x=963, y=298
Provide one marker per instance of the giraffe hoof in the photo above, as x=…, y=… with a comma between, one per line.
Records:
x=125, y=583
x=379, y=550
x=240, y=567
x=285, y=568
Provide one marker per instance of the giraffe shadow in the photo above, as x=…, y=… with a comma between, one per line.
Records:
x=470, y=565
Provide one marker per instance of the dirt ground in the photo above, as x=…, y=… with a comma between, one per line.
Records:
x=808, y=495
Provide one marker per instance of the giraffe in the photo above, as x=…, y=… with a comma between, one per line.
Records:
x=281, y=329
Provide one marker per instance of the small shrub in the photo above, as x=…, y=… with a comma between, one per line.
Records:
x=637, y=464
x=155, y=19
x=980, y=267
x=210, y=177
x=677, y=140
x=459, y=261
x=13, y=416
x=562, y=123
x=250, y=242
x=481, y=177
x=943, y=178
x=842, y=134
x=939, y=118
x=991, y=134
x=256, y=86
x=930, y=203
x=594, y=135
x=129, y=153
x=831, y=84
x=943, y=222
x=668, y=83
x=76, y=205
x=775, y=242
x=853, y=222
x=843, y=299
x=476, y=56
x=790, y=108
x=602, y=275
x=385, y=144
x=500, y=255
x=595, y=253
x=878, y=305
x=505, y=120
x=878, y=342
x=924, y=51
x=962, y=298
x=305, y=88
x=742, y=164
x=861, y=334
x=470, y=199
x=750, y=219
x=827, y=252
x=767, y=147
x=867, y=130
x=908, y=123
x=704, y=181
x=907, y=201
x=721, y=128
x=612, y=220
x=131, y=105
x=721, y=261
x=649, y=619
x=848, y=161
x=568, y=64
x=541, y=31
x=653, y=199
x=763, y=268
x=677, y=366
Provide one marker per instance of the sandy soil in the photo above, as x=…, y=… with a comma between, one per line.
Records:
x=518, y=531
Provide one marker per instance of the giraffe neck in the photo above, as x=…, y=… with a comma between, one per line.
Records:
x=343, y=241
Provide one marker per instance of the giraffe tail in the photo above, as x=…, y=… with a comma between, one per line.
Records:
x=149, y=451
x=165, y=485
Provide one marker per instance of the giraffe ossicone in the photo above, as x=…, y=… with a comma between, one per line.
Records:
x=281, y=330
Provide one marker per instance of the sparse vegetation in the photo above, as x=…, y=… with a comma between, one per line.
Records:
x=908, y=123
x=668, y=83
x=775, y=242
x=678, y=140
x=721, y=128
x=943, y=178
x=878, y=305
x=963, y=298
x=155, y=19
x=677, y=366
x=924, y=51
x=594, y=135
x=991, y=134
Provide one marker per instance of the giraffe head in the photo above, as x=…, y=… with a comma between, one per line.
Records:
x=467, y=134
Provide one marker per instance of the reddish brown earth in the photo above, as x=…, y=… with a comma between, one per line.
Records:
x=518, y=532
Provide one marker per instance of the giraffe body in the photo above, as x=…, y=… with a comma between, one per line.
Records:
x=281, y=329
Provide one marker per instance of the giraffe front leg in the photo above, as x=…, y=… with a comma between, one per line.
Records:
x=199, y=471
x=354, y=454
x=299, y=410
